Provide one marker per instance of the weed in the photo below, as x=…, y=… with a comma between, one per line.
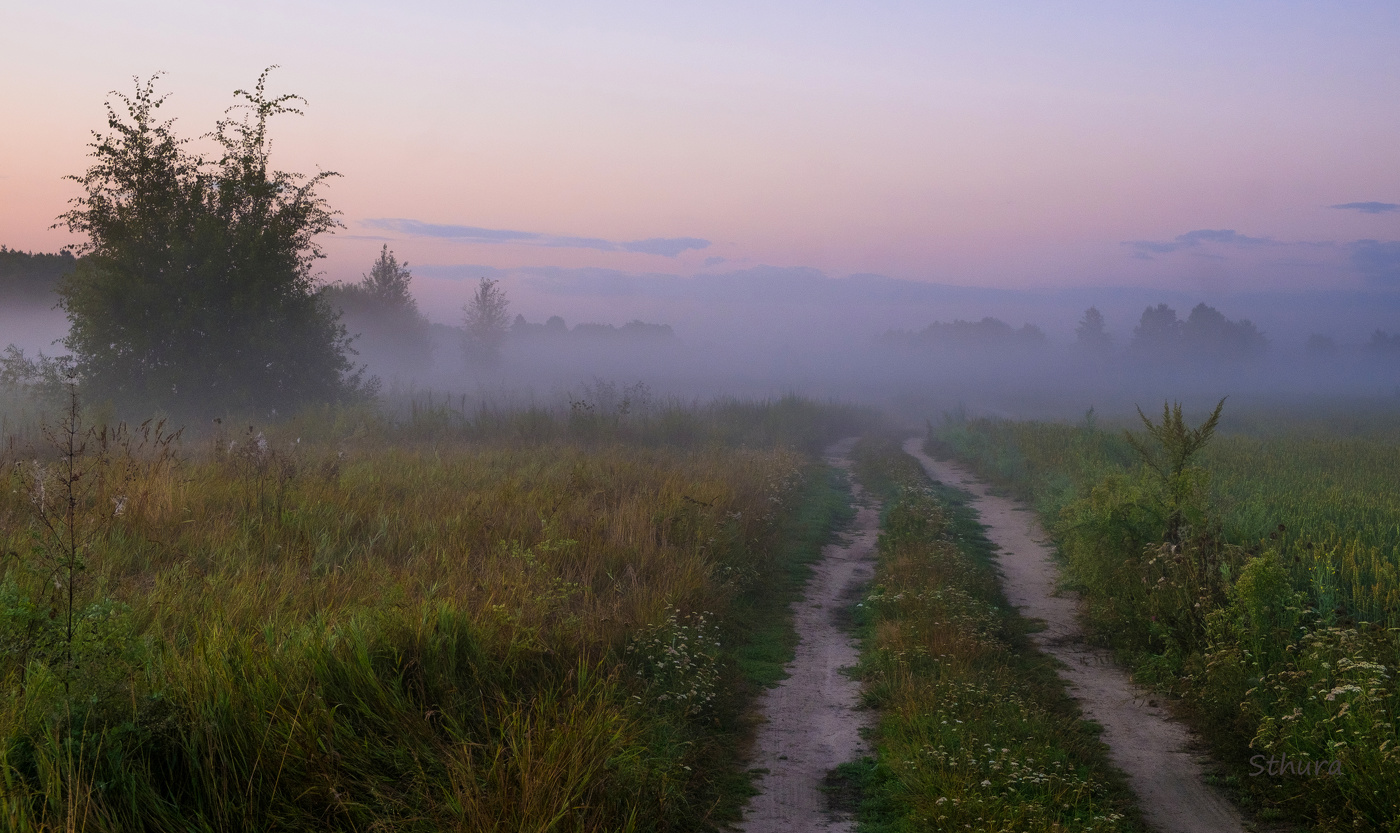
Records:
x=385, y=627
x=1265, y=589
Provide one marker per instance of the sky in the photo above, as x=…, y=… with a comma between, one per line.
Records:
x=1184, y=147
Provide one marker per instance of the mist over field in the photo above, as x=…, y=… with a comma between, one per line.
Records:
x=492, y=416
x=32, y=325
x=766, y=332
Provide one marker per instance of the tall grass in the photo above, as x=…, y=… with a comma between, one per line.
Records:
x=1278, y=620
x=508, y=622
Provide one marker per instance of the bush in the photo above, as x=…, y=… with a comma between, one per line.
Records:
x=195, y=293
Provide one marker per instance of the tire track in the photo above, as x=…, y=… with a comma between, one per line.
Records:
x=1159, y=756
x=811, y=722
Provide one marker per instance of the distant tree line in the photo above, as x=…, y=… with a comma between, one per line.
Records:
x=987, y=334
x=1381, y=346
x=27, y=276
x=384, y=320
x=1205, y=334
x=1204, y=337
x=1160, y=336
x=554, y=327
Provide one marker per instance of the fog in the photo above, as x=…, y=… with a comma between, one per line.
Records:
x=31, y=325
x=769, y=332
x=583, y=336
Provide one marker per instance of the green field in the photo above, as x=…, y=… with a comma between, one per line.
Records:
x=496, y=621
x=1274, y=610
x=429, y=618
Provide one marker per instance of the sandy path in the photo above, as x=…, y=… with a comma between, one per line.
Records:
x=1159, y=756
x=811, y=722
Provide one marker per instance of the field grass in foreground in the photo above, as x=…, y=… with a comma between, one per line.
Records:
x=1276, y=617
x=976, y=731
x=528, y=623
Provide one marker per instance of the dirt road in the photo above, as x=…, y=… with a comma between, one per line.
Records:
x=1160, y=758
x=811, y=724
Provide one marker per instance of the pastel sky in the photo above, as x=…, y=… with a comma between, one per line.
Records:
x=1181, y=145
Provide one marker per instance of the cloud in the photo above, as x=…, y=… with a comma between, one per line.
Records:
x=668, y=246
x=1145, y=249
x=1377, y=259
x=1370, y=207
x=665, y=246
x=714, y=261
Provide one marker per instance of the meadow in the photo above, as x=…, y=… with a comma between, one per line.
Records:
x=975, y=729
x=1261, y=584
x=491, y=620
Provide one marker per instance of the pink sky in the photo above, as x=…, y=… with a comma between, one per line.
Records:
x=995, y=147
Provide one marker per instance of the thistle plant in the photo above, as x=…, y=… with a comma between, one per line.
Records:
x=1169, y=454
x=73, y=498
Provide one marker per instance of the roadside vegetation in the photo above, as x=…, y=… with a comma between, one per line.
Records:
x=492, y=621
x=1259, y=581
x=975, y=729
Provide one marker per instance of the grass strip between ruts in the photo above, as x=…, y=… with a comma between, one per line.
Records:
x=975, y=728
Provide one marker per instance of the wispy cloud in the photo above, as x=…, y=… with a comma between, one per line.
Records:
x=665, y=246
x=1377, y=261
x=1145, y=249
x=668, y=246
x=1370, y=207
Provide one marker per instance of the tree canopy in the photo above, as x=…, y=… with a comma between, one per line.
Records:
x=987, y=334
x=32, y=276
x=380, y=311
x=1090, y=335
x=195, y=292
x=487, y=322
x=1206, y=334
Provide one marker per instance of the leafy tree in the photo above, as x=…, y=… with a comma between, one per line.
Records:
x=382, y=312
x=1158, y=333
x=1207, y=332
x=196, y=291
x=487, y=321
x=1090, y=335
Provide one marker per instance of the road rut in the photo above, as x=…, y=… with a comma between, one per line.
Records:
x=1158, y=754
x=811, y=721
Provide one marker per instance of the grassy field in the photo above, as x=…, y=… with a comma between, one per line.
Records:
x=488, y=621
x=1274, y=611
x=975, y=729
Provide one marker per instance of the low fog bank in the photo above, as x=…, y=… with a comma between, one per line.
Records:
x=1045, y=378
x=919, y=349
x=32, y=326
x=29, y=314
x=915, y=349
